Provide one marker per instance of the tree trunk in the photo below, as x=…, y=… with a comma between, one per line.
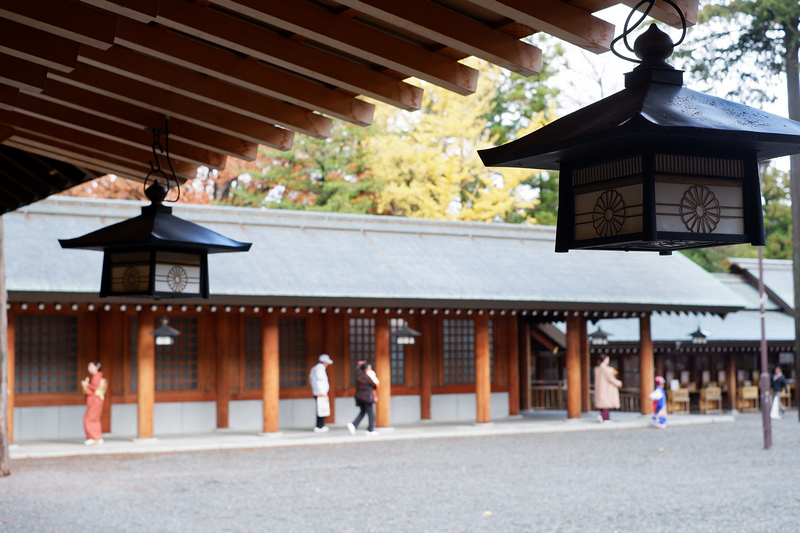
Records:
x=5, y=466
x=793, y=89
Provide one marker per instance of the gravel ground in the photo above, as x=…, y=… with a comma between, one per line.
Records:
x=693, y=478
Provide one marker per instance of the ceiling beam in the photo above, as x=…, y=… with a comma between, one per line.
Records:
x=70, y=20
x=174, y=105
x=22, y=74
x=257, y=76
x=181, y=81
x=138, y=117
x=450, y=28
x=113, y=130
x=558, y=19
x=37, y=46
x=286, y=53
x=359, y=40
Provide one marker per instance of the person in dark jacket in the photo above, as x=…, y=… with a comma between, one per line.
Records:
x=365, y=398
x=778, y=386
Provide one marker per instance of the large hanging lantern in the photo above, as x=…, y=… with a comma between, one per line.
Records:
x=655, y=166
x=155, y=255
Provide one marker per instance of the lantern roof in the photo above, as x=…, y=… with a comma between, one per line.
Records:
x=653, y=111
x=156, y=227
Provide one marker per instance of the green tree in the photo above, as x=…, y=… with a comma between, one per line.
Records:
x=429, y=165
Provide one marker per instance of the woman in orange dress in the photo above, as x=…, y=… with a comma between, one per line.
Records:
x=94, y=387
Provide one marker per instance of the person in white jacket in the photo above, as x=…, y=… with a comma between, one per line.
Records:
x=318, y=379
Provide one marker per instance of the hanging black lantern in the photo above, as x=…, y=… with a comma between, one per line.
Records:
x=155, y=255
x=655, y=166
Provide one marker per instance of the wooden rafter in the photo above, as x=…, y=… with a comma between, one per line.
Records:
x=81, y=81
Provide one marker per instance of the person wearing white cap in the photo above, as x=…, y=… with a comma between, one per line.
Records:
x=318, y=379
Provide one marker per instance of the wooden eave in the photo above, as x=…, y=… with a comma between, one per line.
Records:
x=82, y=80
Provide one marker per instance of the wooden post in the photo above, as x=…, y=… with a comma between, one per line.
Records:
x=5, y=380
x=733, y=384
x=513, y=366
x=586, y=405
x=573, y=360
x=146, y=386
x=483, y=374
x=105, y=327
x=270, y=371
x=383, y=369
x=426, y=367
x=646, y=375
x=225, y=346
x=12, y=358
x=526, y=397
x=334, y=328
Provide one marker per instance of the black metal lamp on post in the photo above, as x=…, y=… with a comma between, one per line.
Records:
x=599, y=337
x=156, y=255
x=656, y=166
x=699, y=336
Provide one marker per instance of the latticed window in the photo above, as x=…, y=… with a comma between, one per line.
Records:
x=362, y=343
x=46, y=354
x=459, y=351
x=292, y=341
x=398, y=354
x=252, y=352
x=176, y=365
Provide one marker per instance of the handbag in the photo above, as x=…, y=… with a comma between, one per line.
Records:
x=323, y=406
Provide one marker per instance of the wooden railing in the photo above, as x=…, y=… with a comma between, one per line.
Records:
x=547, y=394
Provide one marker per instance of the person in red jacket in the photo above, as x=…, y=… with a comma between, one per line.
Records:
x=94, y=387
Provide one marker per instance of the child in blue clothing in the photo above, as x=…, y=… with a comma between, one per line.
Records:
x=659, y=399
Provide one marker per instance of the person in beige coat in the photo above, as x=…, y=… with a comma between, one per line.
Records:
x=606, y=389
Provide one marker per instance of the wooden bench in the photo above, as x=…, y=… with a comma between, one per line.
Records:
x=710, y=400
x=748, y=399
x=678, y=401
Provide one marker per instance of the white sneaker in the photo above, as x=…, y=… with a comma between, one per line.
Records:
x=89, y=442
x=372, y=433
x=351, y=428
x=99, y=441
x=323, y=429
x=600, y=418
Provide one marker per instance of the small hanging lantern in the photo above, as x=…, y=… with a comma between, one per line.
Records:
x=165, y=334
x=599, y=337
x=656, y=166
x=405, y=335
x=699, y=336
x=155, y=255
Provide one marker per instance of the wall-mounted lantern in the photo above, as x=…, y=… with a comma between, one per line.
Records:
x=599, y=337
x=165, y=334
x=405, y=335
x=656, y=166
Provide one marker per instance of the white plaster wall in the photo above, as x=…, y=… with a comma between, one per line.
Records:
x=49, y=423
x=124, y=419
x=171, y=418
x=463, y=408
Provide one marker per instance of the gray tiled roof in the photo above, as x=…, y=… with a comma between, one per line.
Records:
x=778, y=276
x=322, y=258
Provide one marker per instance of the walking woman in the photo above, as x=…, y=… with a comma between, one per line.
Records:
x=94, y=387
x=606, y=389
x=365, y=398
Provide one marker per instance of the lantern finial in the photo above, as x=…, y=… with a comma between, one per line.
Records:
x=653, y=47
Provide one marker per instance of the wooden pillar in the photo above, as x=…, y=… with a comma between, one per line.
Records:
x=146, y=386
x=383, y=369
x=513, y=365
x=573, y=360
x=270, y=371
x=586, y=404
x=5, y=379
x=732, y=383
x=11, y=360
x=525, y=396
x=107, y=327
x=334, y=330
x=646, y=376
x=225, y=345
x=426, y=366
x=483, y=370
